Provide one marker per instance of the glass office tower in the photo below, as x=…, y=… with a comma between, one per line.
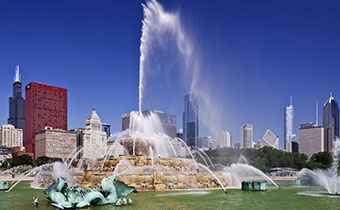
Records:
x=190, y=120
x=330, y=122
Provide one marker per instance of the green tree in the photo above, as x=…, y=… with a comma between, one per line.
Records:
x=263, y=159
x=321, y=160
x=44, y=160
x=17, y=160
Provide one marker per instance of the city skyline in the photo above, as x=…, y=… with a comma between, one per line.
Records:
x=95, y=66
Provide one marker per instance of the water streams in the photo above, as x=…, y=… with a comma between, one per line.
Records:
x=32, y=171
x=329, y=179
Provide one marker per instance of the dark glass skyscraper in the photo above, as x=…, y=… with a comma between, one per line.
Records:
x=107, y=129
x=330, y=122
x=190, y=120
x=17, y=104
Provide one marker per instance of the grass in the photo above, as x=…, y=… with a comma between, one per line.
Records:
x=285, y=198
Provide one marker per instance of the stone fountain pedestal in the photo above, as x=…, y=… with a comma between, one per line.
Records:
x=165, y=174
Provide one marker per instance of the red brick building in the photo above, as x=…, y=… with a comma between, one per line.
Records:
x=45, y=105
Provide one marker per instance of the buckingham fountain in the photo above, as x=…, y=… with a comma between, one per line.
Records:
x=142, y=157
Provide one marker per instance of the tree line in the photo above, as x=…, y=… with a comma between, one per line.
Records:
x=269, y=157
x=27, y=160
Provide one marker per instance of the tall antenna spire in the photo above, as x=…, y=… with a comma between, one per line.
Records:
x=291, y=100
x=17, y=74
x=316, y=113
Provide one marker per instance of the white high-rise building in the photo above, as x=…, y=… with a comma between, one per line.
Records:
x=94, y=139
x=11, y=136
x=246, y=140
x=205, y=142
x=270, y=140
x=288, y=123
x=224, y=139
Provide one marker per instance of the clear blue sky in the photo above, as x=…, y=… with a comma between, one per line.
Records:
x=254, y=54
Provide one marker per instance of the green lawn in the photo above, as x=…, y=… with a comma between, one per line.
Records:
x=286, y=198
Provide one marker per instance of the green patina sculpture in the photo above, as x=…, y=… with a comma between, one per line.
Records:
x=4, y=185
x=114, y=192
x=254, y=185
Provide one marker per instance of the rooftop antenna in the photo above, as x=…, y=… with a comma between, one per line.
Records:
x=316, y=113
x=17, y=74
x=291, y=100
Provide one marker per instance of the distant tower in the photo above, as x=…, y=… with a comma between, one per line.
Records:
x=288, y=123
x=316, y=113
x=190, y=120
x=246, y=136
x=94, y=143
x=17, y=104
x=224, y=139
x=330, y=122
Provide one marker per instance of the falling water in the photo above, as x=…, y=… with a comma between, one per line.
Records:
x=125, y=162
x=24, y=174
x=329, y=179
x=205, y=154
x=186, y=146
x=215, y=177
x=243, y=160
x=134, y=147
x=133, y=169
x=157, y=25
x=33, y=170
x=72, y=153
x=241, y=171
x=197, y=152
x=151, y=154
x=74, y=157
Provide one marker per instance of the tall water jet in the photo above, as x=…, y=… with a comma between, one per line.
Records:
x=329, y=179
x=156, y=22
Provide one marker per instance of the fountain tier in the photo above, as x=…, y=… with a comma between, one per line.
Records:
x=147, y=174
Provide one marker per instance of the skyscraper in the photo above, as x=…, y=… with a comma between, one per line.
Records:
x=288, y=123
x=17, y=104
x=224, y=139
x=246, y=136
x=270, y=139
x=311, y=139
x=190, y=120
x=293, y=146
x=330, y=123
x=46, y=105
